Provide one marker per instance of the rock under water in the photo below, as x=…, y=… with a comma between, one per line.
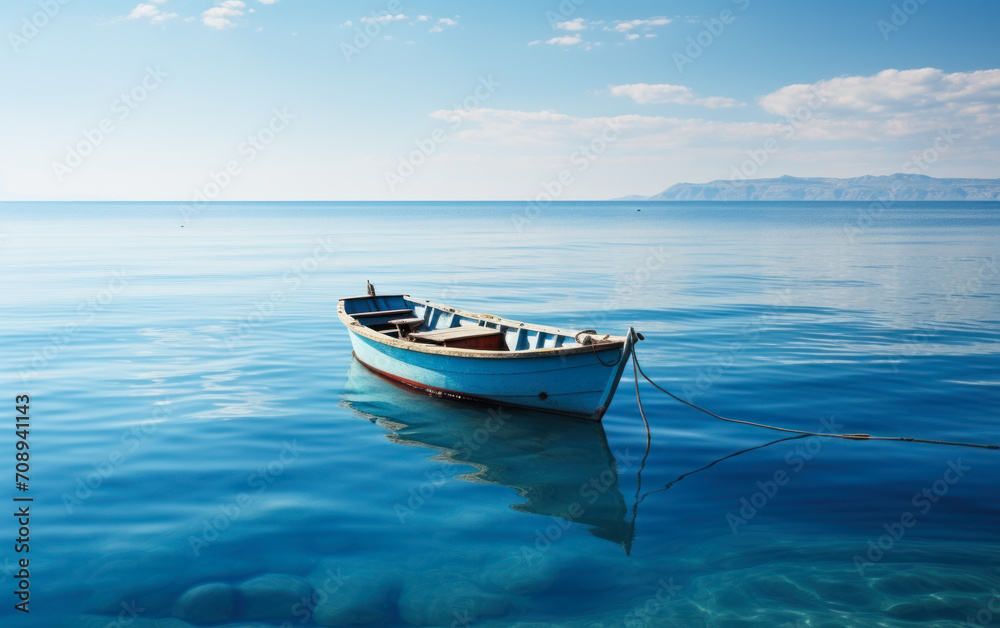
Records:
x=275, y=596
x=207, y=603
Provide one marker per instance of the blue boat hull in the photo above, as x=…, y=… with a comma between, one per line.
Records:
x=579, y=381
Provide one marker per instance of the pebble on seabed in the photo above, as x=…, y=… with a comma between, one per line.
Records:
x=351, y=594
x=103, y=621
x=348, y=592
x=275, y=596
x=142, y=577
x=207, y=603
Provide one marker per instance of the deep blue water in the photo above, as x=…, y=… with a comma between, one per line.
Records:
x=196, y=417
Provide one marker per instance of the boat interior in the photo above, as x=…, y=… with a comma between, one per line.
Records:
x=415, y=320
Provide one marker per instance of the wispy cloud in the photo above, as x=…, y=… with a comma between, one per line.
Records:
x=390, y=18
x=890, y=106
x=383, y=19
x=627, y=26
x=894, y=103
x=645, y=93
x=539, y=128
x=442, y=23
x=568, y=40
x=577, y=24
x=152, y=12
x=565, y=40
x=223, y=14
x=219, y=17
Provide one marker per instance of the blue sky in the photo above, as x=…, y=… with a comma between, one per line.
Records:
x=400, y=100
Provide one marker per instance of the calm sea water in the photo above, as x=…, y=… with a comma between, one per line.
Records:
x=197, y=419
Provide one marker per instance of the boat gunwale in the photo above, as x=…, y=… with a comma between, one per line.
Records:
x=355, y=326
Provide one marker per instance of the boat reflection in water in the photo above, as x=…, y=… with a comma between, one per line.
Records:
x=560, y=467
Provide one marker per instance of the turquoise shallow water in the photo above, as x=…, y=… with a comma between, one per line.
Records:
x=197, y=419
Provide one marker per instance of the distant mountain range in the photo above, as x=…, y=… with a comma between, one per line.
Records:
x=895, y=187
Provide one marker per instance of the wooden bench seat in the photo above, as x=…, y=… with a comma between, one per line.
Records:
x=386, y=314
x=414, y=321
x=483, y=338
x=385, y=319
x=406, y=326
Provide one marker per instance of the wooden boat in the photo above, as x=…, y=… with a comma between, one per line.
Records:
x=480, y=357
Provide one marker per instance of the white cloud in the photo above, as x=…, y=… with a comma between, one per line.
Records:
x=261, y=1
x=442, y=23
x=624, y=26
x=893, y=103
x=645, y=93
x=565, y=40
x=577, y=24
x=383, y=19
x=143, y=10
x=150, y=11
x=388, y=18
x=539, y=128
x=892, y=91
x=221, y=16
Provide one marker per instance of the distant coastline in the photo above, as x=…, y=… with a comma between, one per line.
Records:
x=895, y=187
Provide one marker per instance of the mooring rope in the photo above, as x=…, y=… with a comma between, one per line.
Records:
x=638, y=367
x=680, y=477
x=593, y=345
x=649, y=437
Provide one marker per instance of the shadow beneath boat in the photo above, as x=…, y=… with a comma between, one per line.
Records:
x=560, y=467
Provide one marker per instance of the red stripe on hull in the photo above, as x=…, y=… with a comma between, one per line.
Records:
x=451, y=394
